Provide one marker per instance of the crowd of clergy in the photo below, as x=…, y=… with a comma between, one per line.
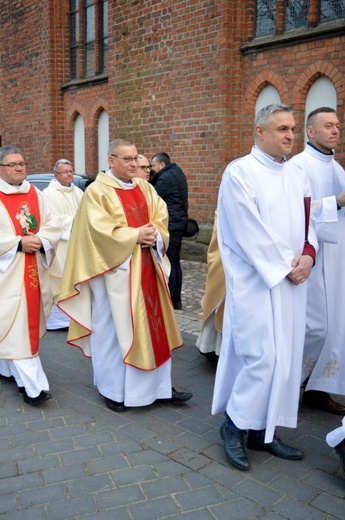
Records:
x=96, y=264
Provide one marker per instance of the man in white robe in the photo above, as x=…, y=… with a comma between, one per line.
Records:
x=263, y=232
x=324, y=350
x=28, y=238
x=116, y=294
x=63, y=198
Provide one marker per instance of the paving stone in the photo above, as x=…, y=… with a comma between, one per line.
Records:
x=262, y=495
x=106, y=464
x=164, y=487
x=336, y=506
x=88, y=485
x=8, y=502
x=294, y=510
x=63, y=473
x=71, y=508
x=196, y=498
x=73, y=459
x=123, y=477
x=126, y=495
x=42, y=495
x=154, y=509
x=239, y=509
x=191, y=459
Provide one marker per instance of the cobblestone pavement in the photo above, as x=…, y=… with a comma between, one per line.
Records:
x=72, y=458
x=194, y=278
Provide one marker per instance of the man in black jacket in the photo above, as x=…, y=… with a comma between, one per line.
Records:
x=171, y=184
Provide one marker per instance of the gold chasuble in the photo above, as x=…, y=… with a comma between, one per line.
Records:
x=103, y=242
x=23, y=210
x=214, y=297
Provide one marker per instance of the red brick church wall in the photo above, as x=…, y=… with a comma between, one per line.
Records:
x=182, y=78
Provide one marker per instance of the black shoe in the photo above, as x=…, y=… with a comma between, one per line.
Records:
x=340, y=449
x=180, y=397
x=9, y=379
x=234, y=447
x=210, y=356
x=114, y=406
x=176, y=397
x=276, y=447
x=177, y=306
x=322, y=401
x=44, y=396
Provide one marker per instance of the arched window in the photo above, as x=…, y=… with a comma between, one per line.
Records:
x=321, y=94
x=267, y=96
x=103, y=141
x=79, y=146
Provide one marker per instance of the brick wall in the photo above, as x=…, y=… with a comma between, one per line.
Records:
x=183, y=78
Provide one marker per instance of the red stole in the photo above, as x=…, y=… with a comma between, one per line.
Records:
x=135, y=208
x=24, y=211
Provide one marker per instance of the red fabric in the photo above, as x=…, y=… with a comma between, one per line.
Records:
x=135, y=207
x=308, y=248
x=24, y=207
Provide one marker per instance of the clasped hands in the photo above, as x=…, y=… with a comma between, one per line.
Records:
x=147, y=235
x=302, y=266
x=31, y=243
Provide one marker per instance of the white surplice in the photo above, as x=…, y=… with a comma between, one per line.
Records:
x=63, y=201
x=324, y=351
x=261, y=228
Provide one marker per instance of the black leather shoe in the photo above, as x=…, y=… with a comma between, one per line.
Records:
x=234, y=447
x=114, y=406
x=322, y=401
x=9, y=379
x=340, y=449
x=180, y=397
x=44, y=396
x=276, y=447
x=176, y=397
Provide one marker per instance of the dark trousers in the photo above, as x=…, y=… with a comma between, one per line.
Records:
x=174, y=253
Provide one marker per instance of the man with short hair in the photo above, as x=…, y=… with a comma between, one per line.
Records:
x=143, y=167
x=28, y=239
x=324, y=350
x=63, y=198
x=171, y=184
x=116, y=294
x=263, y=233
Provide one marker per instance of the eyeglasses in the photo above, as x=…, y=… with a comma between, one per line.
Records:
x=15, y=164
x=148, y=167
x=126, y=159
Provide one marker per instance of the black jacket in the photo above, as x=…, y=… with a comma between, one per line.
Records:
x=171, y=185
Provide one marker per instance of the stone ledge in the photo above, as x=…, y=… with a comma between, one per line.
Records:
x=196, y=248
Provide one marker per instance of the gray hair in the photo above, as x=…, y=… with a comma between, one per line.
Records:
x=117, y=143
x=60, y=161
x=7, y=150
x=266, y=112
